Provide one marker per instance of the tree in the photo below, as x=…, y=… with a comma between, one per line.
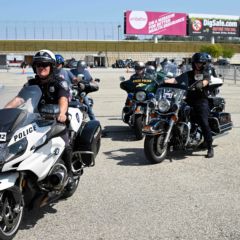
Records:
x=215, y=50
x=228, y=52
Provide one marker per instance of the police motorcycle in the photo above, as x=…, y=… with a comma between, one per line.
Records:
x=81, y=89
x=32, y=171
x=136, y=110
x=170, y=127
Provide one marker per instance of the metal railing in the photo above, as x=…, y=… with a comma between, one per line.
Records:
x=229, y=73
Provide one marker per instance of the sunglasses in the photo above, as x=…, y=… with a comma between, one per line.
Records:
x=43, y=65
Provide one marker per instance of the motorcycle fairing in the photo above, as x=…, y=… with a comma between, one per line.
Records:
x=41, y=161
x=156, y=126
x=32, y=135
x=8, y=180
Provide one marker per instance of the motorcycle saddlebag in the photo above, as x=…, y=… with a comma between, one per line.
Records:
x=88, y=142
x=220, y=122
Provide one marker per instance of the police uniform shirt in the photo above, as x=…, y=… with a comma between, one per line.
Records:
x=187, y=79
x=66, y=75
x=51, y=90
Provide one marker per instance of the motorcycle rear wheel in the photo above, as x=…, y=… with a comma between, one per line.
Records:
x=154, y=149
x=11, y=213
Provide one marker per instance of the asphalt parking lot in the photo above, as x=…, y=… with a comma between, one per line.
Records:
x=124, y=197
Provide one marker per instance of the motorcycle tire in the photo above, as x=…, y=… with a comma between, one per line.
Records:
x=11, y=213
x=154, y=149
x=138, y=126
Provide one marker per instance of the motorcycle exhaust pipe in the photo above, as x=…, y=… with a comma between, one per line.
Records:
x=58, y=176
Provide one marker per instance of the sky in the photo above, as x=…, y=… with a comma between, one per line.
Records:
x=94, y=19
x=106, y=10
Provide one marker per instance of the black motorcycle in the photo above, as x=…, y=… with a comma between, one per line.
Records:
x=136, y=110
x=171, y=126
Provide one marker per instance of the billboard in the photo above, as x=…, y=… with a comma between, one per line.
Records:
x=155, y=23
x=213, y=25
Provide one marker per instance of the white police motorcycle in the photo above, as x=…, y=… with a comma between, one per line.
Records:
x=32, y=171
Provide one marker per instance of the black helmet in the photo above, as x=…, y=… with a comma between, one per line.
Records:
x=139, y=65
x=44, y=56
x=201, y=57
x=209, y=58
x=81, y=64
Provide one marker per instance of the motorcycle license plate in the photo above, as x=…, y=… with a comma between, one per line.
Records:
x=168, y=95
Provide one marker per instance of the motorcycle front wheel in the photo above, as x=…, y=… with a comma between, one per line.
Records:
x=138, y=126
x=154, y=148
x=11, y=213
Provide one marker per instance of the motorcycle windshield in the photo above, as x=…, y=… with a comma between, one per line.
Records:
x=13, y=118
x=170, y=68
x=173, y=92
x=31, y=96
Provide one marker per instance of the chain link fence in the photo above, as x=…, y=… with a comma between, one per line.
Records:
x=63, y=30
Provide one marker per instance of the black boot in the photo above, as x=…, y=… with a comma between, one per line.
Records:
x=67, y=158
x=210, y=153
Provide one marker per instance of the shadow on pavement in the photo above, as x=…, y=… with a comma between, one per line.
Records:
x=128, y=157
x=119, y=133
x=31, y=217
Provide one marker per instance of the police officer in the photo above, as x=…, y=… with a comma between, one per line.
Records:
x=63, y=73
x=55, y=90
x=141, y=76
x=87, y=84
x=198, y=98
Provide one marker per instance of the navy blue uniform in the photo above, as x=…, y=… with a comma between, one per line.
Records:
x=52, y=90
x=198, y=100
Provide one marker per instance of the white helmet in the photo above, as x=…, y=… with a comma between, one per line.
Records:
x=44, y=56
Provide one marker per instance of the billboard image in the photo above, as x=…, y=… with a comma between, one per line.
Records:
x=213, y=25
x=155, y=23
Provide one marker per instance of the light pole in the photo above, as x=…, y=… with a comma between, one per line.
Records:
x=119, y=27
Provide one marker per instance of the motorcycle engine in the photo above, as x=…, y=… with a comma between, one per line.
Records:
x=56, y=179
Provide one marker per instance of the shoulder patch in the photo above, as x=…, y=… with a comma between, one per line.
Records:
x=64, y=85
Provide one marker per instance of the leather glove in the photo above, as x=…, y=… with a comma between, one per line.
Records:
x=81, y=86
x=199, y=85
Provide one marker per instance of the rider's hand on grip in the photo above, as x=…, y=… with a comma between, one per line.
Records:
x=199, y=85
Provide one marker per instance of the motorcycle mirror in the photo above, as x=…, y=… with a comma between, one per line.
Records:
x=198, y=77
x=83, y=94
x=74, y=92
x=122, y=78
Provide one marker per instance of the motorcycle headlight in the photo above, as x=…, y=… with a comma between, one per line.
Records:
x=74, y=92
x=17, y=148
x=140, y=96
x=164, y=105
